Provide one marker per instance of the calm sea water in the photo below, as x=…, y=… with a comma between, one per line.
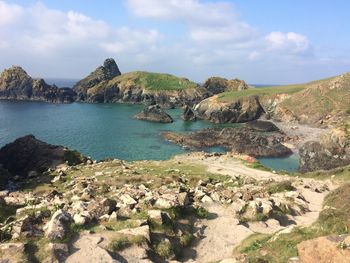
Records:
x=102, y=130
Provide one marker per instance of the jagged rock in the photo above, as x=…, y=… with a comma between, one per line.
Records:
x=188, y=114
x=154, y=113
x=57, y=227
x=30, y=154
x=16, y=84
x=108, y=71
x=325, y=250
x=217, y=85
x=239, y=140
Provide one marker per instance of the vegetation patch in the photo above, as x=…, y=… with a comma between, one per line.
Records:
x=124, y=242
x=277, y=187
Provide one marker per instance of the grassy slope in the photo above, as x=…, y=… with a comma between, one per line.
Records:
x=268, y=90
x=149, y=81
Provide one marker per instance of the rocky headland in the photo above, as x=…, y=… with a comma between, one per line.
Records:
x=16, y=84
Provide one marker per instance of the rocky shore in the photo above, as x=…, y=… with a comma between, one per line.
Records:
x=251, y=141
x=180, y=210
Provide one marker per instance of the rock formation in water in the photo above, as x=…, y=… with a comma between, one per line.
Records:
x=239, y=140
x=28, y=155
x=108, y=71
x=235, y=111
x=154, y=113
x=16, y=84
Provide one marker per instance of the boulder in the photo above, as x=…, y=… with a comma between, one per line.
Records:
x=12, y=252
x=142, y=231
x=329, y=249
x=154, y=113
x=58, y=226
x=262, y=126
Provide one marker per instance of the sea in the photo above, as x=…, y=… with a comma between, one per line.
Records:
x=105, y=130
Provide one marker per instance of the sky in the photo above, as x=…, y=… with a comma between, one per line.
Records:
x=260, y=41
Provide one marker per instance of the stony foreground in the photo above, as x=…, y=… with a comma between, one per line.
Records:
x=196, y=207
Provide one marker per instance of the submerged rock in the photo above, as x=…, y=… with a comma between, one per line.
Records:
x=154, y=113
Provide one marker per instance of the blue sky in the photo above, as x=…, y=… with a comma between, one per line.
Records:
x=267, y=41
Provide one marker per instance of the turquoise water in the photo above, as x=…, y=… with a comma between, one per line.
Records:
x=97, y=130
x=288, y=164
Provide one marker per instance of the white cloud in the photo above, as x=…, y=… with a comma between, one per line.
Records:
x=9, y=13
x=289, y=43
x=191, y=11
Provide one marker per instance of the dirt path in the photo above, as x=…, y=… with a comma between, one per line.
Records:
x=222, y=231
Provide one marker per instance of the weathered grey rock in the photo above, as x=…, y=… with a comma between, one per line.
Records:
x=217, y=85
x=58, y=226
x=154, y=113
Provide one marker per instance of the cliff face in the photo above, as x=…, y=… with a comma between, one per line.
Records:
x=108, y=71
x=16, y=84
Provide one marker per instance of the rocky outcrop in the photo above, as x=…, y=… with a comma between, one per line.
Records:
x=332, y=151
x=154, y=113
x=216, y=85
x=108, y=71
x=239, y=110
x=325, y=249
x=188, y=114
x=16, y=84
x=28, y=156
x=240, y=140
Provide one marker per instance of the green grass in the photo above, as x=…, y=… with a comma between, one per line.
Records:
x=290, y=89
x=164, y=249
x=154, y=81
x=277, y=187
x=124, y=242
x=334, y=219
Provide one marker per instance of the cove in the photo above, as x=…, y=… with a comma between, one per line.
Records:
x=100, y=130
